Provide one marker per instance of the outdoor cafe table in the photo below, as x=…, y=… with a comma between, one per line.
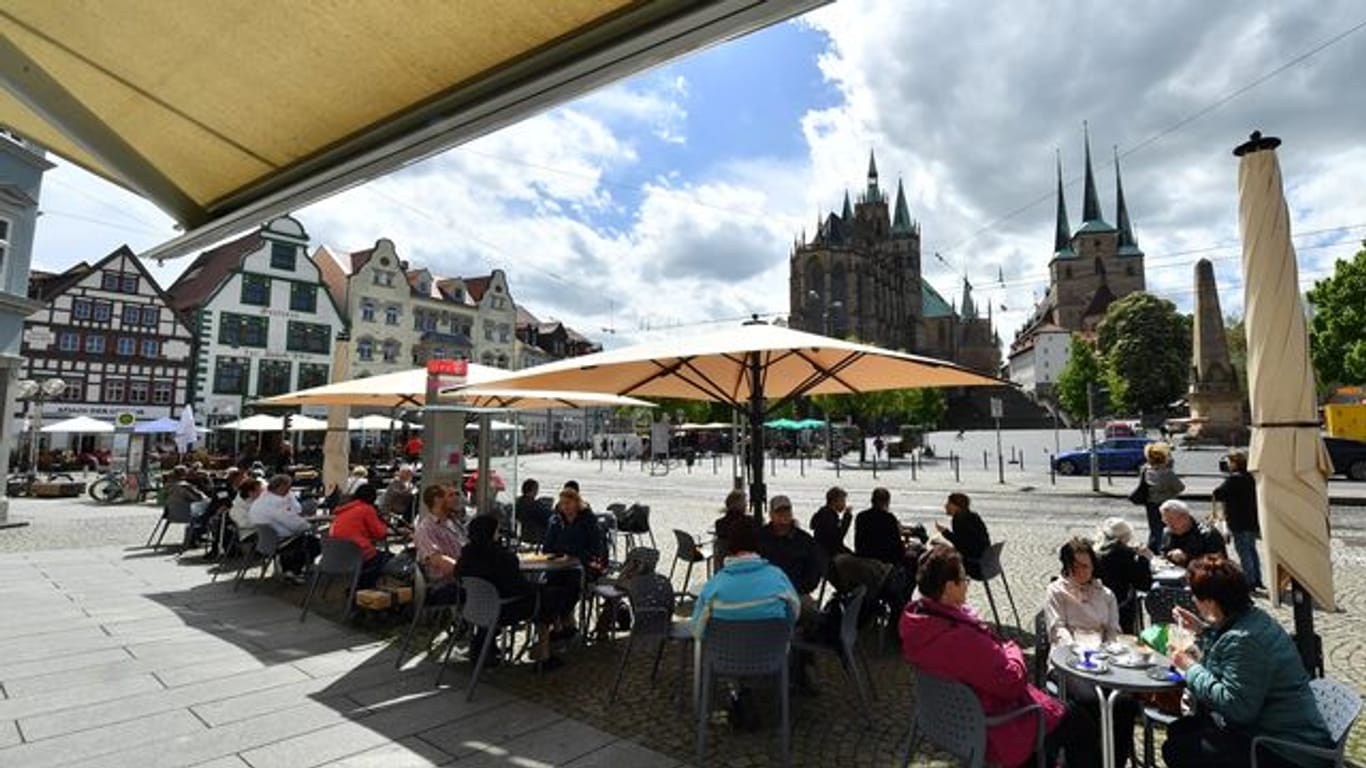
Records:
x=1109, y=685
x=541, y=563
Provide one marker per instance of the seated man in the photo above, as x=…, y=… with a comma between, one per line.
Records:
x=831, y=523
x=279, y=509
x=1183, y=539
x=793, y=550
x=239, y=514
x=735, y=513
x=747, y=588
x=877, y=532
x=358, y=520
x=439, y=541
x=397, y=502
x=533, y=516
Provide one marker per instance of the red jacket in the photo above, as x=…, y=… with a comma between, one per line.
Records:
x=954, y=643
x=359, y=522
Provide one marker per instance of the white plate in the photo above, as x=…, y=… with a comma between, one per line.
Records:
x=1097, y=667
x=1130, y=662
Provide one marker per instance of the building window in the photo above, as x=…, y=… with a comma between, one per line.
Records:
x=138, y=391
x=132, y=315
x=282, y=256
x=273, y=377
x=75, y=390
x=391, y=351
x=230, y=375
x=384, y=278
x=151, y=316
x=367, y=311
x=365, y=350
x=151, y=348
x=69, y=341
x=312, y=375
x=1067, y=272
x=303, y=297
x=162, y=392
x=80, y=309
x=504, y=332
x=4, y=241
x=488, y=330
x=110, y=281
x=129, y=284
x=243, y=330
x=103, y=310
x=487, y=357
x=94, y=344
x=309, y=337
x=256, y=290
x=115, y=390
x=391, y=313
x=125, y=346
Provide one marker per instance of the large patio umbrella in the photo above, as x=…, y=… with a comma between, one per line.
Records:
x=755, y=369
x=162, y=426
x=258, y=423
x=1287, y=457
x=301, y=423
x=79, y=425
x=401, y=389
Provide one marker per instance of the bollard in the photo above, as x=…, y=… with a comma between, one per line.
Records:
x=602, y=457
x=801, y=463
x=1052, y=469
x=772, y=464
x=985, y=465
x=1022, y=453
x=913, y=468
x=621, y=463
x=837, y=467
x=957, y=478
x=874, y=467
x=715, y=463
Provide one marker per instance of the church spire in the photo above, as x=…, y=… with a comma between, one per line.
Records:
x=872, y=169
x=1128, y=246
x=1062, y=236
x=901, y=220
x=873, y=194
x=968, y=311
x=1091, y=219
x=848, y=212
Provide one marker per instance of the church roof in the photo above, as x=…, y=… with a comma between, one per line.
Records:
x=932, y=304
x=1100, y=301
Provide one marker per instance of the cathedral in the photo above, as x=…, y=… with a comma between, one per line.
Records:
x=859, y=277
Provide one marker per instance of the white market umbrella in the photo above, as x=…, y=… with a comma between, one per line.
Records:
x=258, y=423
x=185, y=435
x=496, y=425
x=82, y=425
x=390, y=390
x=300, y=423
x=754, y=368
x=162, y=426
x=537, y=399
x=1287, y=455
x=375, y=422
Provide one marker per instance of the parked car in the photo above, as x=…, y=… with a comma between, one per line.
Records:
x=1349, y=457
x=1118, y=454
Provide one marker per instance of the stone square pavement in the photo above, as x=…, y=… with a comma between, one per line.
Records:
x=114, y=657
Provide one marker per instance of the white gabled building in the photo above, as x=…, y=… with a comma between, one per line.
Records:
x=265, y=321
x=1036, y=360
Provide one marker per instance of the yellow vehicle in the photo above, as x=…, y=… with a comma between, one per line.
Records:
x=1346, y=420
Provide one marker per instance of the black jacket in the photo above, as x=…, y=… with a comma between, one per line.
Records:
x=829, y=529
x=497, y=565
x=877, y=535
x=795, y=554
x=1239, y=494
x=1123, y=570
x=1197, y=541
x=582, y=539
x=968, y=534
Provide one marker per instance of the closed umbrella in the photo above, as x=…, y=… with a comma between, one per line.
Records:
x=1287, y=456
x=337, y=442
x=185, y=435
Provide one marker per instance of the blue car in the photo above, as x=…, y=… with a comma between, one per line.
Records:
x=1118, y=454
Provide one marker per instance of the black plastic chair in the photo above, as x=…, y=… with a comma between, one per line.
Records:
x=1339, y=706
x=745, y=649
x=949, y=715
x=265, y=552
x=421, y=610
x=855, y=665
x=652, y=620
x=483, y=608
x=340, y=557
x=990, y=564
x=1160, y=601
x=687, y=551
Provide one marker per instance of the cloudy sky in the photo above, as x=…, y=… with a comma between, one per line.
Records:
x=673, y=199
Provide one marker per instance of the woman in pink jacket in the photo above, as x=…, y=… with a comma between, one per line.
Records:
x=941, y=635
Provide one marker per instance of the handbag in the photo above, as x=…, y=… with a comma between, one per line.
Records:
x=1139, y=495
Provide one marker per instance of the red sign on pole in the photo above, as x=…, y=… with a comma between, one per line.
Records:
x=447, y=368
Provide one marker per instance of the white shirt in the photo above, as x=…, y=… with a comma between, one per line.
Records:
x=279, y=512
x=240, y=512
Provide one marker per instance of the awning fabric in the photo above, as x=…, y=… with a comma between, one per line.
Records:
x=226, y=114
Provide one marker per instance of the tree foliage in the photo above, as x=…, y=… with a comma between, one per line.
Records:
x=1337, y=334
x=923, y=407
x=1146, y=347
x=1236, y=333
x=1083, y=369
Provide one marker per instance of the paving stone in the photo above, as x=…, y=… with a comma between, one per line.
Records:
x=10, y=674
x=559, y=743
x=70, y=696
x=9, y=734
x=490, y=727
x=404, y=753
x=97, y=743
x=620, y=754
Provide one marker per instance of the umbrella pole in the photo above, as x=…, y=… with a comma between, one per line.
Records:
x=757, y=491
x=1309, y=643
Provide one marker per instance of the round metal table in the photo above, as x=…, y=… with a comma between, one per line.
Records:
x=1109, y=685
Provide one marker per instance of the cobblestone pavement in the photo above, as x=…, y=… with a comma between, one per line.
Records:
x=1032, y=518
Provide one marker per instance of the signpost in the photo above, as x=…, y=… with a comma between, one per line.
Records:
x=997, y=411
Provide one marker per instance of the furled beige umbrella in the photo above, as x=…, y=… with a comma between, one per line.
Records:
x=755, y=368
x=1287, y=457
x=337, y=441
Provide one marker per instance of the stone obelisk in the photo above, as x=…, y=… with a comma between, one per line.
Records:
x=1216, y=403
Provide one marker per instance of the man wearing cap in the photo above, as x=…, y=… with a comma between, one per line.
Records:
x=793, y=550
x=1184, y=539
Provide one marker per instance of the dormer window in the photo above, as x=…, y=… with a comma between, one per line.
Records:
x=282, y=256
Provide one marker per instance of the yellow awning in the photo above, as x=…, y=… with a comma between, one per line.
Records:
x=230, y=112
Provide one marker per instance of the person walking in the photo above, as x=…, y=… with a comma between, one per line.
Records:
x=1163, y=484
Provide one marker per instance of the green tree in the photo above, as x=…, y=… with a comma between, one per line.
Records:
x=919, y=406
x=1337, y=334
x=1083, y=369
x=1236, y=333
x=1145, y=345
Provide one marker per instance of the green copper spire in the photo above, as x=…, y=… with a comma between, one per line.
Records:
x=1128, y=246
x=1091, y=219
x=873, y=194
x=968, y=311
x=848, y=212
x=1062, y=236
x=901, y=220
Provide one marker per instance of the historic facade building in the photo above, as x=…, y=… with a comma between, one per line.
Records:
x=264, y=321
x=109, y=332
x=859, y=276
x=1089, y=270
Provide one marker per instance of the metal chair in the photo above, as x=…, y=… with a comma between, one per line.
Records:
x=855, y=665
x=1339, y=706
x=171, y=513
x=340, y=557
x=652, y=620
x=1159, y=601
x=686, y=550
x=264, y=552
x=420, y=609
x=1042, y=646
x=745, y=649
x=948, y=715
x=990, y=563
x=483, y=608
x=246, y=547
x=609, y=592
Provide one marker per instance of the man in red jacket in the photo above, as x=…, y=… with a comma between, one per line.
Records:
x=358, y=520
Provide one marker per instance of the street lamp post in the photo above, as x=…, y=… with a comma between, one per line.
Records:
x=37, y=393
x=825, y=330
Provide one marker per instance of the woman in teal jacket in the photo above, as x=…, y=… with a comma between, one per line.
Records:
x=1244, y=675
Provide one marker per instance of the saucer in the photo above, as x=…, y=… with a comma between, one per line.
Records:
x=1165, y=675
x=1130, y=662
x=1096, y=667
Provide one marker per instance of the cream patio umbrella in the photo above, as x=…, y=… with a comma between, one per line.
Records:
x=258, y=423
x=401, y=389
x=81, y=425
x=337, y=441
x=755, y=369
x=301, y=423
x=1287, y=457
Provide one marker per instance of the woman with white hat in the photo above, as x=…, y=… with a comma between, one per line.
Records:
x=1124, y=569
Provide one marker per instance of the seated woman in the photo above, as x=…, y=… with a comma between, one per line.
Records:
x=1079, y=608
x=736, y=512
x=941, y=635
x=358, y=520
x=1244, y=675
x=574, y=532
x=1124, y=569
